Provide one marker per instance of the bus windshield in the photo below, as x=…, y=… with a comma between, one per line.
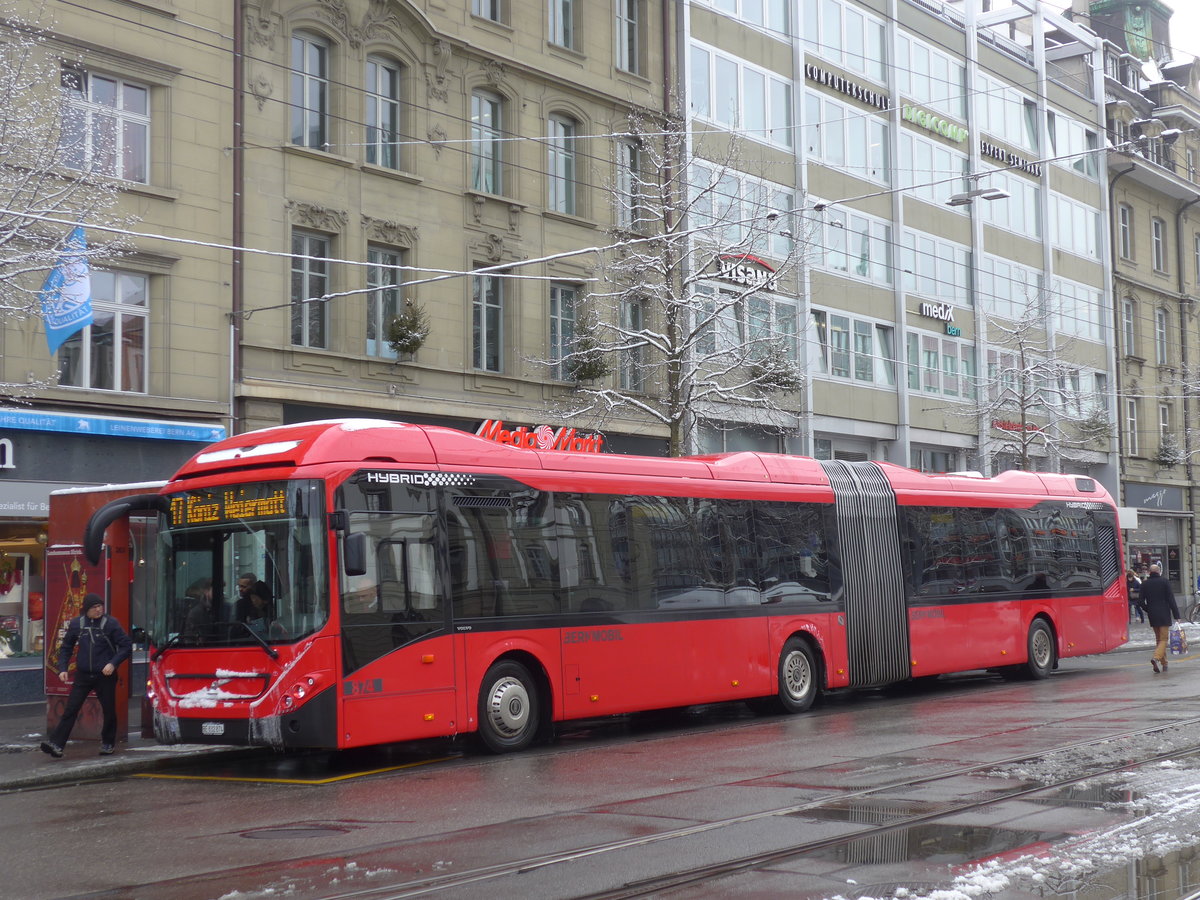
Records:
x=242, y=564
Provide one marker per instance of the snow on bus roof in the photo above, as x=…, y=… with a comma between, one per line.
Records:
x=96, y=488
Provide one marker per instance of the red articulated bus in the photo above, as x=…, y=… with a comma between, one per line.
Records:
x=419, y=582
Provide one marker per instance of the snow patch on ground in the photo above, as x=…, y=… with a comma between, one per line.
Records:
x=1164, y=807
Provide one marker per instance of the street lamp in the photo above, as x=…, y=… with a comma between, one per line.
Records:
x=984, y=193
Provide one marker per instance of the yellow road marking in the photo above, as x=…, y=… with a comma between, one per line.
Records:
x=310, y=781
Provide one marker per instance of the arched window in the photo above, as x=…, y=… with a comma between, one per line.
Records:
x=382, y=112
x=1129, y=326
x=310, y=91
x=561, y=165
x=487, y=157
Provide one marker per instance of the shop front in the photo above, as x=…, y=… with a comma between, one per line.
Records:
x=42, y=451
x=1161, y=535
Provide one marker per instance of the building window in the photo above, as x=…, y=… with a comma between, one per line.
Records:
x=1196, y=255
x=633, y=371
x=733, y=208
x=629, y=36
x=486, y=147
x=562, y=23
x=310, y=282
x=106, y=125
x=1158, y=242
x=1100, y=392
x=750, y=326
x=940, y=366
x=310, y=92
x=730, y=92
x=1160, y=337
x=1125, y=230
x=383, y=299
x=631, y=212
x=854, y=349
x=563, y=298
x=842, y=34
x=1131, y=427
x=1164, y=421
x=110, y=354
x=487, y=323
x=1129, y=326
x=487, y=9
x=934, y=460
x=383, y=113
x=560, y=165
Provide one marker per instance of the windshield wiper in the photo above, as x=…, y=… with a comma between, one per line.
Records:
x=167, y=645
x=271, y=651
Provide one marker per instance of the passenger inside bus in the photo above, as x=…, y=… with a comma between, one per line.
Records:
x=260, y=618
x=197, y=605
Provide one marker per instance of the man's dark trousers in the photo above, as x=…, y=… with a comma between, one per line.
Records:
x=85, y=683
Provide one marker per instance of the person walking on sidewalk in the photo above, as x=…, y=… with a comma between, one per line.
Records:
x=1159, y=603
x=1133, y=588
x=103, y=645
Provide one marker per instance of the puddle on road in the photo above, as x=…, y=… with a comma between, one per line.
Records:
x=949, y=844
x=1148, y=849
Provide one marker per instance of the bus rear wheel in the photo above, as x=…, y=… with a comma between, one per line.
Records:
x=1041, y=650
x=797, y=679
x=509, y=708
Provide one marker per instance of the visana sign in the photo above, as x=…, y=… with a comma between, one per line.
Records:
x=747, y=270
x=541, y=437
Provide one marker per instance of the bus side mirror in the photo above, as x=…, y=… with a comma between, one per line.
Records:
x=354, y=553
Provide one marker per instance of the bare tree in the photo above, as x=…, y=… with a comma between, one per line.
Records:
x=1032, y=401
x=54, y=167
x=694, y=313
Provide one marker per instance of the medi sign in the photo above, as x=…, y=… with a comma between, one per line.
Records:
x=540, y=437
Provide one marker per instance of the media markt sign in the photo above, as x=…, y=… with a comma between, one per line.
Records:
x=541, y=437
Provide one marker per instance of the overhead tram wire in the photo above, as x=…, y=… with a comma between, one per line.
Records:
x=462, y=120
x=510, y=164
x=358, y=88
x=499, y=269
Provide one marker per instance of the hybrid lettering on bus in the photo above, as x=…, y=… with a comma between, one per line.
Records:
x=424, y=582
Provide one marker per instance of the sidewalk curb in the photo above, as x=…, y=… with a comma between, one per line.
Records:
x=129, y=761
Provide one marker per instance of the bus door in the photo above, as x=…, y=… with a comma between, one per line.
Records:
x=873, y=595
x=397, y=659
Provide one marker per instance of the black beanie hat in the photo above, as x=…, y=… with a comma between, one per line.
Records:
x=92, y=600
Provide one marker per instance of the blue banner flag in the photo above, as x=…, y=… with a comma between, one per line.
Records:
x=67, y=292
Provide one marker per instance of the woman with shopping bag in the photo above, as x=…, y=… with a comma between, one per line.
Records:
x=1161, y=611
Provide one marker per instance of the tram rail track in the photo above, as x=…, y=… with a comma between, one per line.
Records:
x=656, y=885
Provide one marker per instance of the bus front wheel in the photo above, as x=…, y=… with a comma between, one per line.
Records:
x=509, y=711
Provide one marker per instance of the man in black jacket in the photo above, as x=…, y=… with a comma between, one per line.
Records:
x=1159, y=603
x=103, y=645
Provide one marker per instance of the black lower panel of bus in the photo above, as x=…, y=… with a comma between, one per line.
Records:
x=312, y=725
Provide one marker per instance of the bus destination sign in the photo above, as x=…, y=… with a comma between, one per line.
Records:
x=228, y=505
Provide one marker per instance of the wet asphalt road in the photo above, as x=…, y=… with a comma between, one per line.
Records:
x=641, y=797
